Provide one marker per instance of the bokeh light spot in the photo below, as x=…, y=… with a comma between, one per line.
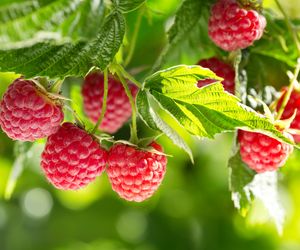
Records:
x=37, y=203
x=132, y=226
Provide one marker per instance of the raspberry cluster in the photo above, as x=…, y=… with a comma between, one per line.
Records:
x=72, y=157
x=221, y=69
x=232, y=27
x=118, y=105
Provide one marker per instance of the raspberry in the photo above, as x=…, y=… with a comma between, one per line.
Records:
x=261, y=152
x=27, y=114
x=118, y=105
x=221, y=69
x=293, y=103
x=72, y=158
x=135, y=174
x=232, y=27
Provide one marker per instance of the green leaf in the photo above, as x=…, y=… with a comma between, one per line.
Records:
x=240, y=175
x=60, y=60
x=208, y=110
x=152, y=120
x=128, y=5
x=245, y=185
x=188, y=33
x=86, y=22
x=18, y=25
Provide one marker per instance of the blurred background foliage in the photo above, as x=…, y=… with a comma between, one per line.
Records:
x=192, y=209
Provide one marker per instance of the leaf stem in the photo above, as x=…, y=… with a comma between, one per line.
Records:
x=289, y=91
x=290, y=26
x=128, y=76
x=134, y=36
x=134, y=137
x=104, y=102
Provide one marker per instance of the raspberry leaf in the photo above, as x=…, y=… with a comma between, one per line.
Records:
x=67, y=58
x=71, y=19
x=152, y=119
x=245, y=185
x=240, y=175
x=24, y=21
x=188, y=33
x=128, y=5
x=208, y=110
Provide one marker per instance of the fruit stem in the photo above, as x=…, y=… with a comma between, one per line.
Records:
x=290, y=26
x=289, y=91
x=134, y=36
x=128, y=76
x=56, y=87
x=134, y=137
x=104, y=102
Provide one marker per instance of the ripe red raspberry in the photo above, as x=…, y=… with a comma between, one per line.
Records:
x=221, y=69
x=232, y=27
x=261, y=152
x=27, y=114
x=135, y=174
x=293, y=103
x=72, y=158
x=118, y=105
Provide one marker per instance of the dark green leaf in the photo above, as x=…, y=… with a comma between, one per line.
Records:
x=86, y=22
x=128, y=5
x=18, y=25
x=59, y=60
x=188, y=33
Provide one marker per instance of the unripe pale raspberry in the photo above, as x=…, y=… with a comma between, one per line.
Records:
x=292, y=105
x=72, y=158
x=135, y=174
x=261, y=152
x=232, y=27
x=118, y=106
x=27, y=114
x=221, y=69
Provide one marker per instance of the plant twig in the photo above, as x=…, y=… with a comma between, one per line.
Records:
x=134, y=36
x=104, y=101
x=126, y=75
x=134, y=137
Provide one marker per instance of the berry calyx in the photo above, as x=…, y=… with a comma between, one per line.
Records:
x=261, y=152
x=135, y=174
x=232, y=27
x=27, y=113
x=118, y=105
x=72, y=158
x=292, y=105
x=221, y=69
